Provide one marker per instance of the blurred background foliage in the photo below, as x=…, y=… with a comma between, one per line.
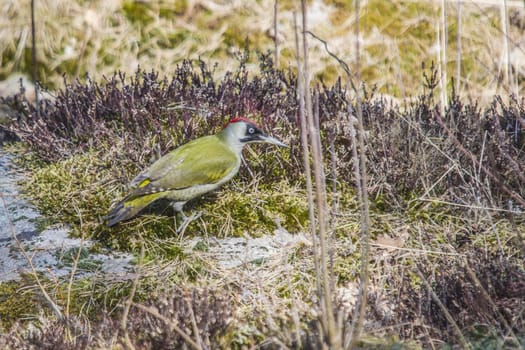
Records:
x=75, y=38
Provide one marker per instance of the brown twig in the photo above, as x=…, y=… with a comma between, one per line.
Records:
x=153, y=312
x=458, y=48
x=275, y=36
x=33, y=57
x=75, y=264
x=448, y=316
x=474, y=160
x=198, y=338
x=129, y=302
x=339, y=60
x=330, y=329
x=443, y=54
x=306, y=153
x=363, y=203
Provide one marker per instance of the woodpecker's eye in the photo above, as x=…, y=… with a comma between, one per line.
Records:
x=251, y=130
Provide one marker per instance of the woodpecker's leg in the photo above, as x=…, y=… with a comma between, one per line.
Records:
x=183, y=224
x=186, y=220
x=177, y=206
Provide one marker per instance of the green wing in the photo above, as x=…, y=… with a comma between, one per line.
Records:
x=203, y=161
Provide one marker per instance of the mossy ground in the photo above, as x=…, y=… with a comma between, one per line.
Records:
x=414, y=237
x=17, y=301
x=76, y=191
x=80, y=190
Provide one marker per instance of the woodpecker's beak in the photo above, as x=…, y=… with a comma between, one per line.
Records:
x=273, y=140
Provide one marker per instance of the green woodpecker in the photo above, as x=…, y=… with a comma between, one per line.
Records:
x=195, y=168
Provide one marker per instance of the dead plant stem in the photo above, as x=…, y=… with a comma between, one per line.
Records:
x=331, y=331
x=463, y=342
x=486, y=296
x=358, y=322
x=458, y=48
x=153, y=312
x=198, y=338
x=507, y=69
x=75, y=263
x=442, y=39
x=293, y=306
x=129, y=302
x=33, y=57
x=275, y=36
x=306, y=155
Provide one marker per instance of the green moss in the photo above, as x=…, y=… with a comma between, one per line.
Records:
x=415, y=280
x=172, y=251
x=70, y=67
x=380, y=203
x=330, y=73
x=256, y=211
x=390, y=17
x=173, y=39
x=177, y=7
x=369, y=342
x=70, y=191
x=241, y=35
x=412, y=39
x=16, y=301
x=138, y=12
x=488, y=337
x=344, y=9
x=428, y=212
x=90, y=297
x=347, y=269
x=201, y=246
x=143, y=230
x=344, y=6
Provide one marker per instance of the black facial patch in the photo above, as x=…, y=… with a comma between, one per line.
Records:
x=252, y=133
x=252, y=130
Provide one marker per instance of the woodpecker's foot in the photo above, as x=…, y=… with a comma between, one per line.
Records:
x=186, y=220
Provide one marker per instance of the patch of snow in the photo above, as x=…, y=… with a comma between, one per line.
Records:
x=51, y=250
x=232, y=252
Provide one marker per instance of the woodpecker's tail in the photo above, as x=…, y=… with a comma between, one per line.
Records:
x=130, y=207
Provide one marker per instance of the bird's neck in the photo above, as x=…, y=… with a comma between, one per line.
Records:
x=228, y=136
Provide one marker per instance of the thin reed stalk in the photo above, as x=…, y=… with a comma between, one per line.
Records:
x=362, y=184
x=442, y=40
x=275, y=36
x=309, y=127
x=306, y=154
x=33, y=57
x=507, y=67
x=458, y=49
x=463, y=342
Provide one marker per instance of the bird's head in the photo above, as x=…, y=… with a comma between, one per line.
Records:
x=241, y=131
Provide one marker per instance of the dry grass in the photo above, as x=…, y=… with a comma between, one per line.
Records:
x=396, y=38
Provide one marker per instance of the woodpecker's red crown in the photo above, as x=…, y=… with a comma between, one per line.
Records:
x=242, y=119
